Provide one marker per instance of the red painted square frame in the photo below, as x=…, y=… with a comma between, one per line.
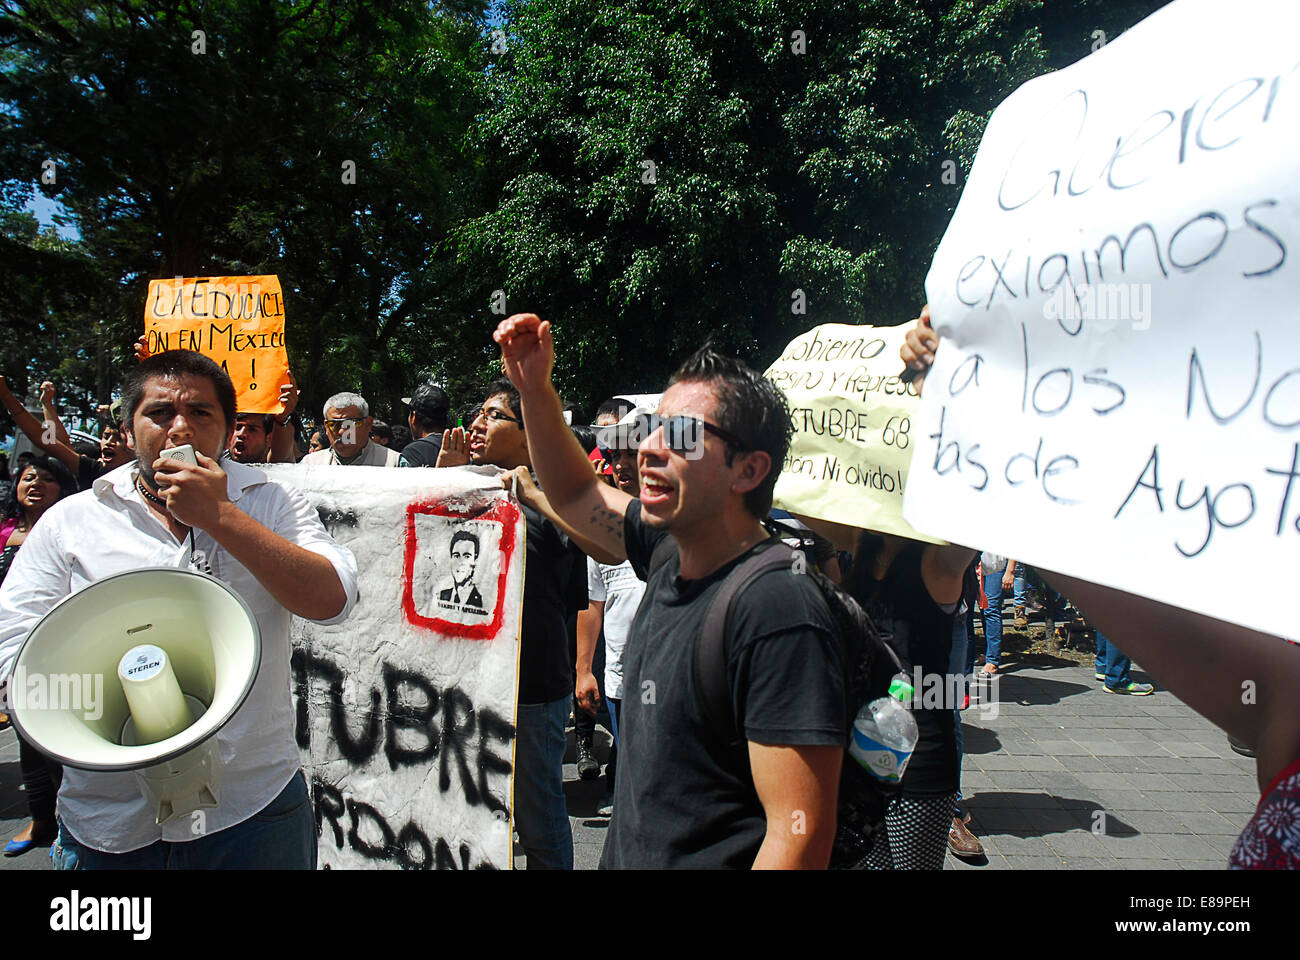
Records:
x=502, y=511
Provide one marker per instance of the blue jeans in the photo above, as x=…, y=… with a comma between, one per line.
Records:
x=541, y=816
x=993, y=616
x=614, y=704
x=280, y=837
x=1020, y=589
x=1112, y=662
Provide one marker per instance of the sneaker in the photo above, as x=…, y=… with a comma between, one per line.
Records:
x=606, y=808
x=1021, y=620
x=1132, y=689
x=1099, y=676
x=961, y=841
x=588, y=767
x=1240, y=747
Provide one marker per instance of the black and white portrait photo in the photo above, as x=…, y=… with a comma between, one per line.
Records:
x=457, y=568
x=463, y=594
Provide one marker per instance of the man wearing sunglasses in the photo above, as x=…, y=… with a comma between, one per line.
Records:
x=555, y=586
x=686, y=795
x=347, y=427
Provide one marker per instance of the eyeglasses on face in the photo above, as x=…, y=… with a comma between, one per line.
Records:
x=338, y=423
x=492, y=413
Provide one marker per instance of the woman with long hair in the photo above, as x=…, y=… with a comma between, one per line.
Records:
x=40, y=484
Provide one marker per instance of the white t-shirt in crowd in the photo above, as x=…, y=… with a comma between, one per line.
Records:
x=621, y=592
x=992, y=562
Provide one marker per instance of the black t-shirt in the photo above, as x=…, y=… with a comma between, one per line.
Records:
x=909, y=619
x=421, y=453
x=555, y=585
x=88, y=471
x=684, y=797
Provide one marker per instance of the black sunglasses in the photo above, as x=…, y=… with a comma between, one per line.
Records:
x=682, y=434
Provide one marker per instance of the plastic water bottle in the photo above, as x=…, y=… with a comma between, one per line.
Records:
x=885, y=733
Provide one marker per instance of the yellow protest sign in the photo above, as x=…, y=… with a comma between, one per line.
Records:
x=852, y=417
x=236, y=321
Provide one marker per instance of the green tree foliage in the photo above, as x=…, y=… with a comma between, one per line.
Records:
x=647, y=174
x=51, y=292
x=319, y=141
x=775, y=170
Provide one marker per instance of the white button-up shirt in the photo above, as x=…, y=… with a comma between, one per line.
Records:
x=109, y=530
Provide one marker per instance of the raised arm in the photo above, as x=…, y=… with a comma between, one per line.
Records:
x=520, y=481
x=52, y=415
x=35, y=430
x=943, y=569
x=591, y=510
x=283, y=444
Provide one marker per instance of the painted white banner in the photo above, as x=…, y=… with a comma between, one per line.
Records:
x=1117, y=394
x=406, y=710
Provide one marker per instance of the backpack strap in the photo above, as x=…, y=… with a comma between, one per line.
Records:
x=662, y=551
x=711, y=652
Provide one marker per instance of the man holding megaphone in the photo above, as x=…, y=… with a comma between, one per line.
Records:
x=260, y=539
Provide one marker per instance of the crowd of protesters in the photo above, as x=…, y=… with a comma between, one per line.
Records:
x=634, y=526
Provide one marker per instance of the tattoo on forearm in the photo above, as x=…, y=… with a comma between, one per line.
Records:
x=606, y=521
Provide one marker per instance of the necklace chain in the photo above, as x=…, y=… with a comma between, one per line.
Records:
x=144, y=490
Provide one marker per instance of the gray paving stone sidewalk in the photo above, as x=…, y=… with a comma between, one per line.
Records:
x=1061, y=775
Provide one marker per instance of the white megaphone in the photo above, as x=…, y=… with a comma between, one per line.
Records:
x=137, y=672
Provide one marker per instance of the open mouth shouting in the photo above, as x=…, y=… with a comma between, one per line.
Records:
x=655, y=491
x=477, y=444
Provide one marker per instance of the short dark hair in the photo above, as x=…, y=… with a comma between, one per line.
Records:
x=268, y=420
x=430, y=405
x=619, y=406
x=465, y=535
x=749, y=406
x=172, y=365
x=55, y=468
x=381, y=430
x=585, y=436
x=503, y=387
x=85, y=448
x=400, y=439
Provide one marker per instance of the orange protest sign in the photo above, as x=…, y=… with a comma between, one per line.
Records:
x=236, y=321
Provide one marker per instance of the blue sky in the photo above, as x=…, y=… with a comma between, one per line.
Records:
x=46, y=209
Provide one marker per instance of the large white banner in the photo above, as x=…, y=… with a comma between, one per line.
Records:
x=1118, y=391
x=406, y=710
